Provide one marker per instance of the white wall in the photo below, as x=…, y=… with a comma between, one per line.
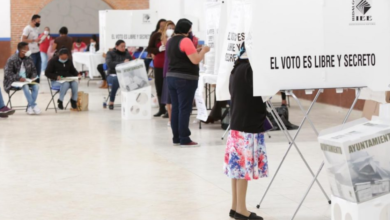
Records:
x=176, y=9
x=5, y=20
x=80, y=16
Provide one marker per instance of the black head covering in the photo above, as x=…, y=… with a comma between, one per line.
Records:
x=63, y=51
x=183, y=26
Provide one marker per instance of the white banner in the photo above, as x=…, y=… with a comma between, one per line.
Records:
x=234, y=37
x=309, y=44
x=132, y=26
x=212, y=10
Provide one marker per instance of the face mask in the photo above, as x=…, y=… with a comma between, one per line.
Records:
x=46, y=32
x=78, y=45
x=93, y=44
x=62, y=61
x=37, y=24
x=170, y=32
x=28, y=53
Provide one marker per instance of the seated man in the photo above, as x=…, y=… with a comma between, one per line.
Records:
x=4, y=110
x=58, y=69
x=20, y=68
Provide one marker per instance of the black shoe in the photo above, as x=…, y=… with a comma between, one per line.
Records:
x=60, y=105
x=232, y=213
x=165, y=115
x=252, y=216
x=159, y=113
x=111, y=107
x=73, y=104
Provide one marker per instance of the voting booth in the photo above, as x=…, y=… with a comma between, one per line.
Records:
x=132, y=26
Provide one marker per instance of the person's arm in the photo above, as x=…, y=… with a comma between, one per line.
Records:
x=25, y=36
x=188, y=47
x=50, y=71
x=9, y=72
x=110, y=61
x=152, y=47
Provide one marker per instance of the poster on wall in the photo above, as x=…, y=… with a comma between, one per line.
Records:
x=132, y=26
x=212, y=10
x=234, y=37
x=320, y=44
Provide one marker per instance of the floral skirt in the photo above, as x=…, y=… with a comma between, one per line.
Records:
x=245, y=156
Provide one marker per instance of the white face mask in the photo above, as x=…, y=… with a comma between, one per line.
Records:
x=93, y=44
x=46, y=32
x=170, y=32
x=28, y=53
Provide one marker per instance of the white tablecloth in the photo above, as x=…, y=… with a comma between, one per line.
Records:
x=199, y=100
x=90, y=60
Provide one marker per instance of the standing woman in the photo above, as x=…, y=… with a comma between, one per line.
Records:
x=182, y=77
x=245, y=157
x=157, y=48
x=44, y=44
x=165, y=98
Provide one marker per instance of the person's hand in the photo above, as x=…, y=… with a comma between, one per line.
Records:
x=162, y=48
x=127, y=60
x=104, y=55
x=206, y=49
x=36, y=40
x=22, y=80
x=58, y=77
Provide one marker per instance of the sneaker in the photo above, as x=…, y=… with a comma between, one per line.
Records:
x=37, y=110
x=3, y=115
x=7, y=110
x=30, y=111
x=191, y=144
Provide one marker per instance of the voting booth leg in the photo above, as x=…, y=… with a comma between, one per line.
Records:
x=358, y=91
x=224, y=134
x=292, y=142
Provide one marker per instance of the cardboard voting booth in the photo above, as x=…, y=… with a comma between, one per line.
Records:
x=311, y=44
x=132, y=26
x=136, y=91
x=357, y=159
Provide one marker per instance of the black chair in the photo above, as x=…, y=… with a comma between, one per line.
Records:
x=54, y=90
x=12, y=93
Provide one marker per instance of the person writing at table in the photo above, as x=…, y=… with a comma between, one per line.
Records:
x=117, y=56
x=58, y=68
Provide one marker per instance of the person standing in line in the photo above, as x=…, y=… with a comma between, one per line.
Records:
x=157, y=48
x=44, y=44
x=182, y=77
x=63, y=41
x=94, y=45
x=30, y=35
x=165, y=98
x=245, y=154
x=159, y=26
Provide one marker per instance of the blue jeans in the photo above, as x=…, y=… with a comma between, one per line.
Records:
x=44, y=60
x=36, y=57
x=182, y=92
x=31, y=96
x=64, y=87
x=1, y=100
x=114, y=84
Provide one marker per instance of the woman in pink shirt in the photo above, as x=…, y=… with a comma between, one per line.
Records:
x=44, y=44
x=79, y=46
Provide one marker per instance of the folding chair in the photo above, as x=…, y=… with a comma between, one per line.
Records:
x=12, y=93
x=56, y=90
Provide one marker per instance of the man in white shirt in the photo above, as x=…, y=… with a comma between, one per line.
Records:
x=30, y=35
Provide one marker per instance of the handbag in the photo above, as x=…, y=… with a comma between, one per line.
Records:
x=82, y=101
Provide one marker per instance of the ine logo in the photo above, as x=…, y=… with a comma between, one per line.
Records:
x=146, y=18
x=363, y=7
x=362, y=11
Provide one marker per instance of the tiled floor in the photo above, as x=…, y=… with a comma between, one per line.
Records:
x=92, y=165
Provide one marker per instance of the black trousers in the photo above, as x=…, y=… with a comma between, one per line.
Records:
x=101, y=71
x=216, y=111
x=159, y=80
x=283, y=96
